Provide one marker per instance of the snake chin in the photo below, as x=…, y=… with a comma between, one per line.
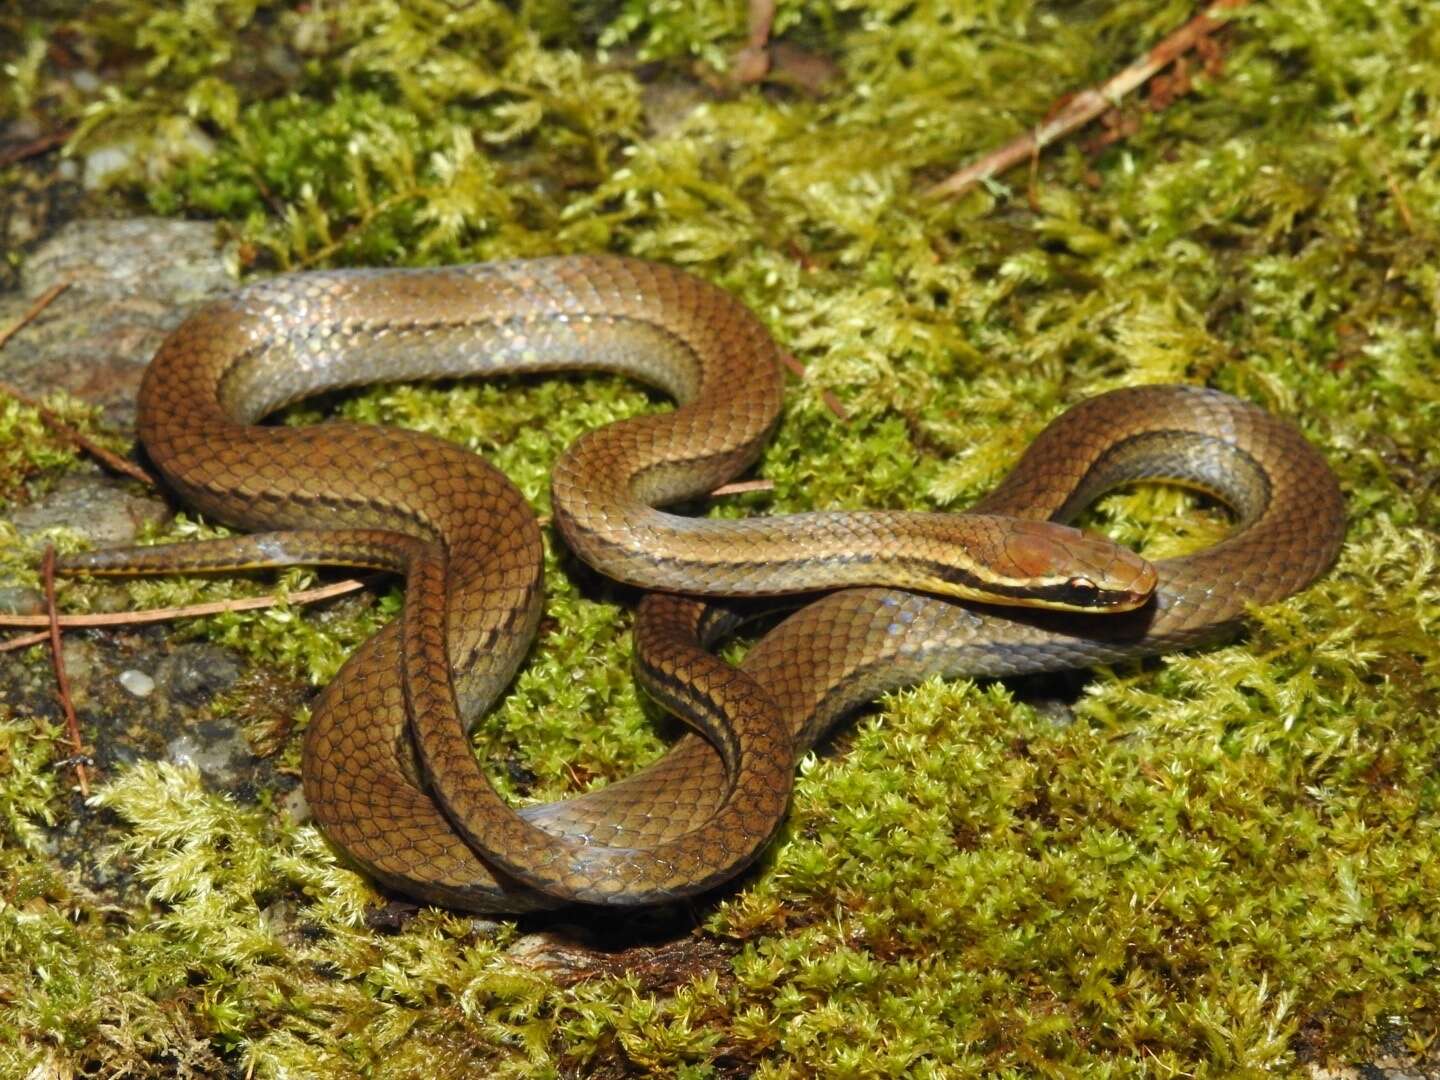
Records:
x=1076, y=595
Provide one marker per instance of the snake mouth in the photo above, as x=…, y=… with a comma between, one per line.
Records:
x=1129, y=601
x=1114, y=593
x=1078, y=594
x=1084, y=598
x=1082, y=594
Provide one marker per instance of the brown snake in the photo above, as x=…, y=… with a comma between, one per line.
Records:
x=426, y=821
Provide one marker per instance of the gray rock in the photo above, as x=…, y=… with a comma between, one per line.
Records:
x=131, y=283
x=222, y=759
x=21, y=600
x=195, y=673
x=94, y=507
x=171, y=263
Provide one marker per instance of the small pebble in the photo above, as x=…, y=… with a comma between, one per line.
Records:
x=106, y=162
x=295, y=805
x=137, y=682
x=183, y=750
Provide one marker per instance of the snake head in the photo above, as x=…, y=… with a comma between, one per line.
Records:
x=1045, y=565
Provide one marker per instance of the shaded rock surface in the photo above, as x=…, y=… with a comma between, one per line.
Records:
x=139, y=695
x=130, y=283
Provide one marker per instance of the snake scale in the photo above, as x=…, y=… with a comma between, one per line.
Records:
x=1004, y=589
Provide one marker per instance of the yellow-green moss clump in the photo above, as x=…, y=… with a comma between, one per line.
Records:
x=1215, y=864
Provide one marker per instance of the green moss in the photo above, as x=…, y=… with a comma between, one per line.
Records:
x=32, y=454
x=1217, y=864
x=253, y=951
x=27, y=785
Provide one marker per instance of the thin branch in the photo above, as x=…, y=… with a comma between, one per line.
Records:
x=831, y=401
x=111, y=460
x=108, y=458
x=741, y=487
x=752, y=63
x=249, y=603
x=42, y=301
x=35, y=147
x=24, y=641
x=214, y=607
x=62, y=680
x=1086, y=105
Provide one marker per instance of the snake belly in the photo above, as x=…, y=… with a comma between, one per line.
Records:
x=470, y=548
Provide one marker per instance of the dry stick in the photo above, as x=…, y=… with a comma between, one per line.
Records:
x=24, y=641
x=741, y=487
x=35, y=147
x=219, y=607
x=111, y=460
x=108, y=458
x=41, y=303
x=62, y=681
x=214, y=607
x=831, y=401
x=1086, y=105
x=752, y=63
x=1400, y=203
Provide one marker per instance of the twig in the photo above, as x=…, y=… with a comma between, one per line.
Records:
x=752, y=63
x=24, y=641
x=249, y=603
x=111, y=460
x=62, y=681
x=831, y=401
x=42, y=301
x=1400, y=203
x=1086, y=105
x=214, y=607
x=367, y=218
x=34, y=147
x=740, y=487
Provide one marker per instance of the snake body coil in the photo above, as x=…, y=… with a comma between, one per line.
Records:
x=470, y=548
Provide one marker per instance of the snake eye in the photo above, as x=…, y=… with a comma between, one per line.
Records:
x=1083, y=588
